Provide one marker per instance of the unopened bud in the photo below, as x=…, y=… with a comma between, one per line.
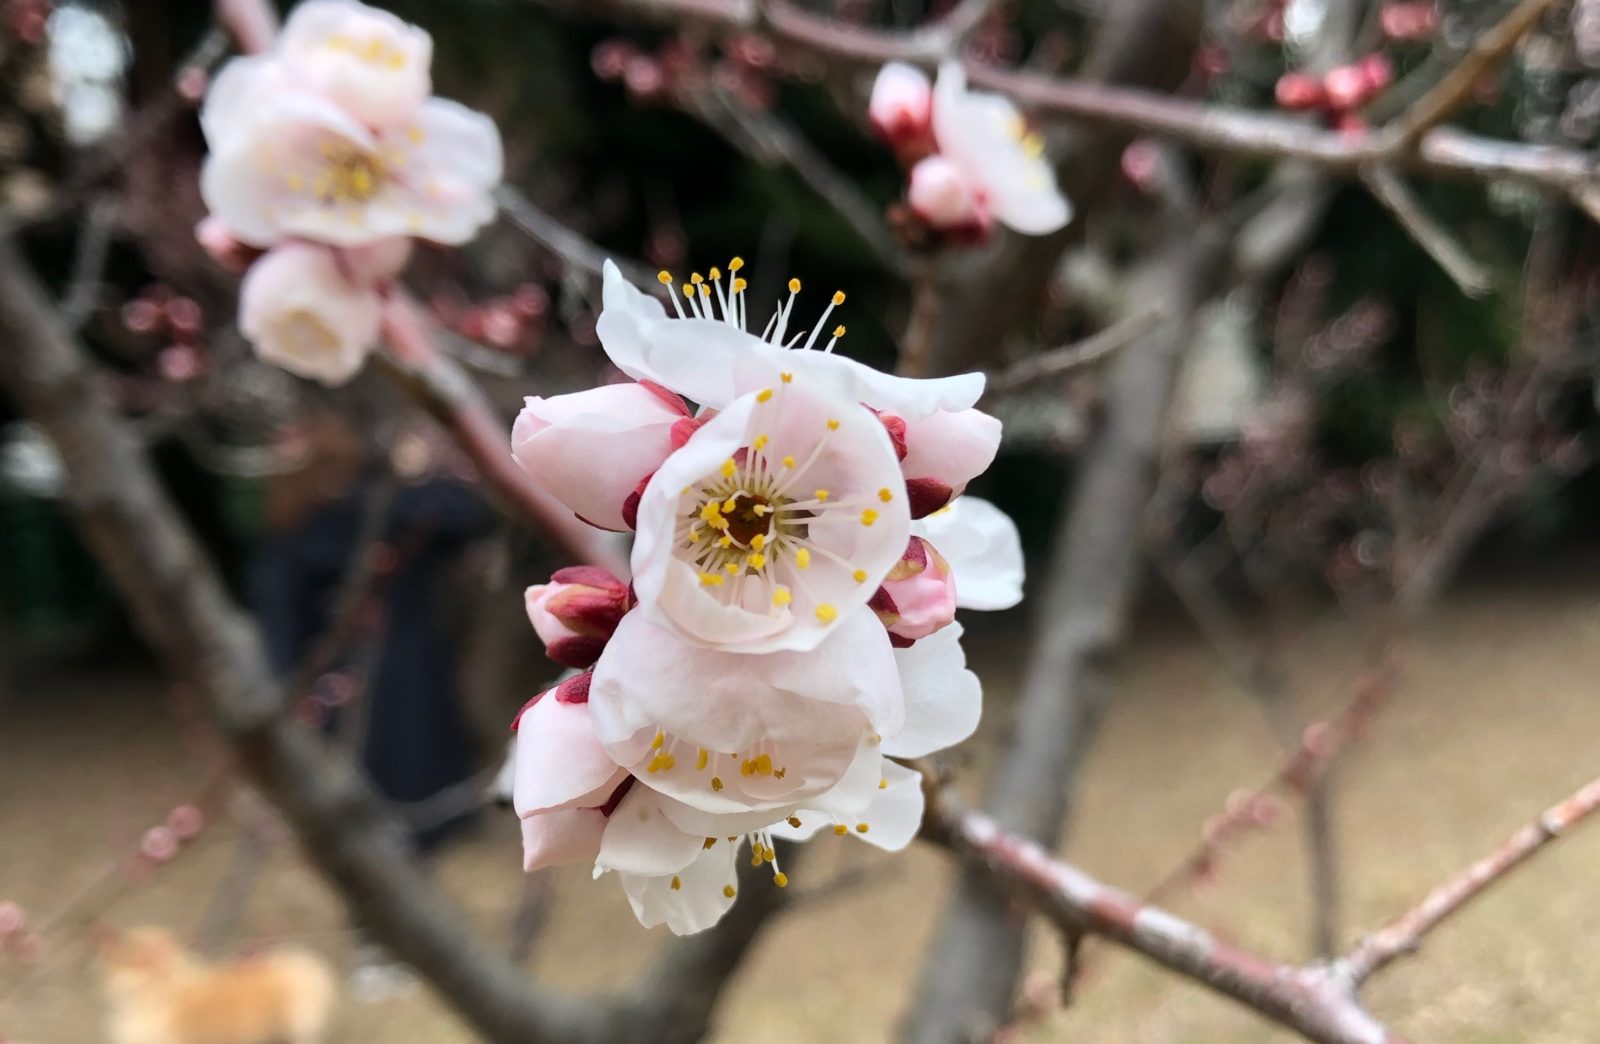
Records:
x=576, y=612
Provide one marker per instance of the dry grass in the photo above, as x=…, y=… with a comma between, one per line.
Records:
x=1497, y=714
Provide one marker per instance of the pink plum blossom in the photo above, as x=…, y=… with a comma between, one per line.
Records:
x=918, y=597
x=302, y=312
x=945, y=451
x=592, y=449
x=947, y=199
x=576, y=612
x=773, y=521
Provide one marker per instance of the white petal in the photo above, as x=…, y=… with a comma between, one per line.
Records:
x=639, y=839
x=984, y=551
x=696, y=904
x=368, y=61
x=560, y=762
x=446, y=165
x=943, y=699
x=567, y=836
x=893, y=818
x=300, y=312
x=648, y=678
x=953, y=447
x=235, y=95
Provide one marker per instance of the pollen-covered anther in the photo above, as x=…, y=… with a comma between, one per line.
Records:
x=838, y=297
x=794, y=821
x=709, y=843
x=764, y=395
x=780, y=879
x=781, y=597
x=716, y=782
x=701, y=760
x=729, y=891
x=885, y=495
x=868, y=517
x=833, y=424
x=664, y=277
x=840, y=829
x=677, y=884
x=826, y=612
x=859, y=576
x=802, y=559
x=794, y=286
x=862, y=828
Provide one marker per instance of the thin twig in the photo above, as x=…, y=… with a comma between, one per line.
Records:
x=576, y=252
x=89, y=261
x=1069, y=358
x=1405, y=934
x=1387, y=188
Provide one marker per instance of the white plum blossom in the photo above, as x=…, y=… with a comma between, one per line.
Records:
x=986, y=165
x=788, y=628
x=299, y=165
x=373, y=64
x=304, y=313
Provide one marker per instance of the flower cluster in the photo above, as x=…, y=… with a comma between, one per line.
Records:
x=330, y=154
x=972, y=158
x=800, y=547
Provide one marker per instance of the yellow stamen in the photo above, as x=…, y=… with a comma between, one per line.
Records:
x=884, y=495
x=676, y=883
x=788, y=462
x=736, y=264
x=861, y=828
x=840, y=829
x=802, y=559
x=732, y=568
x=758, y=541
x=833, y=425
x=859, y=576
x=764, y=395
x=711, y=580
x=780, y=879
x=838, y=297
x=838, y=331
x=883, y=784
x=764, y=765
x=760, y=443
x=729, y=891
x=729, y=468
x=697, y=279
x=716, y=783
x=787, y=378
x=794, y=821
x=820, y=494
x=664, y=277
x=708, y=843
x=700, y=762
x=826, y=613
x=659, y=741
x=716, y=273
x=782, y=597
x=756, y=561
x=794, y=286
x=868, y=517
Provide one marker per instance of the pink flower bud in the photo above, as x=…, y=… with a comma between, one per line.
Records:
x=186, y=822
x=1298, y=90
x=576, y=612
x=901, y=108
x=218, y=240
x=12, y=919
x=159, y=844
x=574, y=690
x=1378, y=70
x=941, y=197
x=1345, y=86
x=918, y=597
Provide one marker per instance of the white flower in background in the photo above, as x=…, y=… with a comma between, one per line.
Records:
x=987, y=167
x=332, y=136
x=301, y=166
x=374, y=65
x=302, y=312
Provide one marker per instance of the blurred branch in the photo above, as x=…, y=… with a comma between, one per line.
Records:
x=89, y=261
x=1388, y=188
x=574, y=250
x=1069, y=358
x=771, y=141
x=1404, y=935
x=449, y=395
x=251, y=23
x=180, y=605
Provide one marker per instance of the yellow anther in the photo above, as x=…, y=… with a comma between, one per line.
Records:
x=779, y=773
x=716, y=273
x=711, y=579
x=747, y=768
x=756, y=561
x=788, y=462
x=739, y=286
x=755, y=856
x=883, y=784
x=780, y=879
x=787, y=377
x=826, y=612
x=802, y=559
x=695, y=536
x=838, y=297
x=885, y=495
x=729, y=468
x=759, y=510
x=708, y=843
x=859, y=576
x=736, y=264
x=696, y=279
x=868, y=517
x=725, y=540
x=833, y=425
x=764, y=395
x=820, y=494
x=760, y=443
x=794, y=286
x=676, y=884
x=659, y=741
x=705, y=290
x=794, y=821
x=732, y=568
x=668, y=762
x=782, y=597
x=664, y=277
x=764, y=765
x=700, y=762
x=688, y=291
x=716, y=784
x=840, y=829
x=729, y=891
x=861, y=828
x=727, y=505
x=758, y=541
x=838, y=331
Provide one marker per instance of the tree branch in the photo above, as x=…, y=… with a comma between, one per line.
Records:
x=1069, y=358
x=1405, y=934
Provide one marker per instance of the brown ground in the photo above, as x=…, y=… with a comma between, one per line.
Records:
x=1498, y=714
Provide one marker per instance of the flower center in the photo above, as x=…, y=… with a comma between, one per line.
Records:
x=373, y=50
x=305, y=335
x=349, y=174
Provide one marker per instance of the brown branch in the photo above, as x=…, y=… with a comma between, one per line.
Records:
x=1069, y=358
x=1405, y=934
x=1453, y=90
x=574, y=250
x=1387, y=188
x=180, y=605
x=450, y=397
x=1313, y=1001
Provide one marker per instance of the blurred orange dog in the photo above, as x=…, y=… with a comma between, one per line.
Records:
x=159, y=993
